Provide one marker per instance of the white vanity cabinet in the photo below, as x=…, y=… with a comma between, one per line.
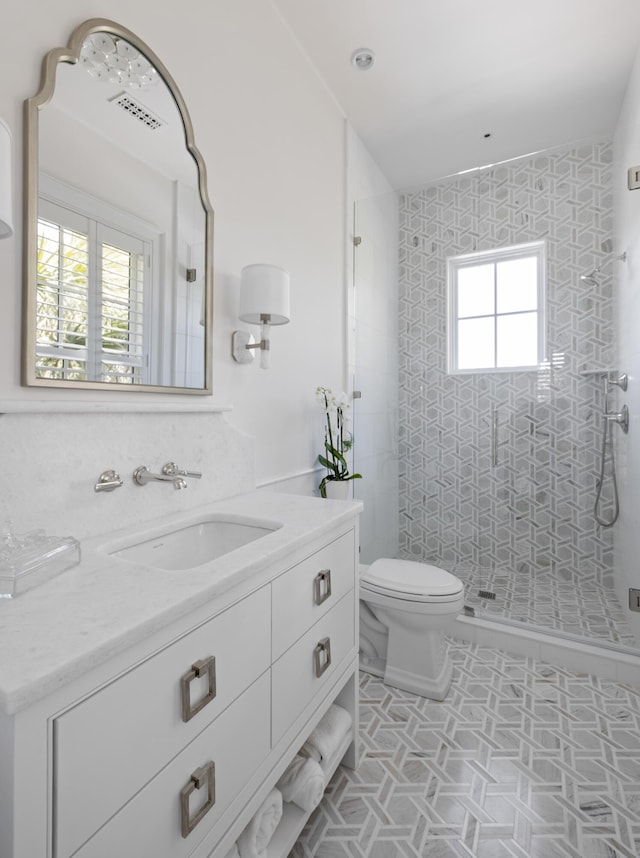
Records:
x=109, y=746
x=168, y=749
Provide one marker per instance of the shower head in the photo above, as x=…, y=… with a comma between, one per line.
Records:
x=591, y=279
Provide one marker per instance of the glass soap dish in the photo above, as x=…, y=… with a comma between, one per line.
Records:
x=25, y=567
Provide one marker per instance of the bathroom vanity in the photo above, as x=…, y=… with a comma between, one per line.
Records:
x=147, y=711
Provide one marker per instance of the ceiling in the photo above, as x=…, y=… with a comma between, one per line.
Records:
x=532, y=75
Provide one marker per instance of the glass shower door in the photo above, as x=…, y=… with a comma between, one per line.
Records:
x=375, y=373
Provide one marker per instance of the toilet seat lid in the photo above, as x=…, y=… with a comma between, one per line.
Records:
x=411, y=578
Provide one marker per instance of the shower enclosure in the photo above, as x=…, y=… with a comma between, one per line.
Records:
x=498, y=472
x=375, y=374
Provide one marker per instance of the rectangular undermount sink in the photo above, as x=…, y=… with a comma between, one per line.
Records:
x=187, y=546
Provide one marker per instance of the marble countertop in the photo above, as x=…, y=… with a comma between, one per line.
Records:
x=101, y=607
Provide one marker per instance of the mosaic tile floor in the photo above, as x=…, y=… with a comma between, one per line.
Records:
x=550, y=600
x=523, y=760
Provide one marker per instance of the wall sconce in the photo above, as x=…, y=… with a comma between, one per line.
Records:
x=264, y=300
x=6, y=199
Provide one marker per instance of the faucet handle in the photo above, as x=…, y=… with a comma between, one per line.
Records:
x=108, y=481
x=172, y=470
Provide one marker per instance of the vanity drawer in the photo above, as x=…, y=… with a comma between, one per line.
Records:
x=151, y=824
x=311, y=589
x=109, y=745
x=310, y=664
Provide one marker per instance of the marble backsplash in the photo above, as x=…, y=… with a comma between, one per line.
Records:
x=52, y=461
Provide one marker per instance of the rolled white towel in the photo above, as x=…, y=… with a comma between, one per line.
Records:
x=324, y=741
x=254, y=840
x=302, y=783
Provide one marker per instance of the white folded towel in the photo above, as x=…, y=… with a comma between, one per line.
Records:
x=302, y=783
x=254, y=840
x=329, y=733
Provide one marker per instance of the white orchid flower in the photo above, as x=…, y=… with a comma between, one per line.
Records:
x=325, y=399
x=337, y=436
x=343, y=401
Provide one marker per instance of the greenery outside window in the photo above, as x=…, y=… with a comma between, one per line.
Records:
x=496, y=309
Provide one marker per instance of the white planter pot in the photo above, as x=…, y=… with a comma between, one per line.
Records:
x=338, y=489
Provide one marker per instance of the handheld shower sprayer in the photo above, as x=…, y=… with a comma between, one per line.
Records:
x=608, y=417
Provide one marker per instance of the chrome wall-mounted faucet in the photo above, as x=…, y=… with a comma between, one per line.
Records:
x=170, y=474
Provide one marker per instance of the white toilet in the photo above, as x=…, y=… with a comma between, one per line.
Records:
x=404, y=609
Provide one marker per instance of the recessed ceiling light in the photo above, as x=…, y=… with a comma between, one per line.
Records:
x=363, y=59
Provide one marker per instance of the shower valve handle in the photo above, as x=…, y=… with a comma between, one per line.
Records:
x=621, y=381
x=620, y=417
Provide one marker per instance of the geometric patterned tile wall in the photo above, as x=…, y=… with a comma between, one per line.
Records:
x=534, y=510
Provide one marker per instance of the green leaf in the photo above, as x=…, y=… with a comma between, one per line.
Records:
x=336, y=454
x=330, y=466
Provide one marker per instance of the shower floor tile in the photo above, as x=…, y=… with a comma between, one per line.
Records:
x=542, y=599
x=522, y=759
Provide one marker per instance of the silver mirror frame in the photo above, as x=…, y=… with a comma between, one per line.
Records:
x=33, y=105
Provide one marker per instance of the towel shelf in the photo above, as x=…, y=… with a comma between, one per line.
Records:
x=293, y=819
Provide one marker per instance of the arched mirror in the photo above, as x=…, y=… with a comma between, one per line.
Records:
x=119, y=229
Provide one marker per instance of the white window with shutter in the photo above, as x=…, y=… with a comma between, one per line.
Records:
x=496, y=305
x=94, y=293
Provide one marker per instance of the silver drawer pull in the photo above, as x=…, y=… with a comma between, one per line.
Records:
x=322, y=656
x=322, y=586
x=198, y=668
x=204, y=775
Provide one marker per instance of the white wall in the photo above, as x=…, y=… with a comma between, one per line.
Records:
x=273, y=141
x=627, y=211
x=373, y=353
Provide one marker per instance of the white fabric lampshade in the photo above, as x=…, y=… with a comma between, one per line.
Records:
x=264, y=289
x=6, y=198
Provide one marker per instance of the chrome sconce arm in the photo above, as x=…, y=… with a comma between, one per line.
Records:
x=264, y=301
x=242, y=342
